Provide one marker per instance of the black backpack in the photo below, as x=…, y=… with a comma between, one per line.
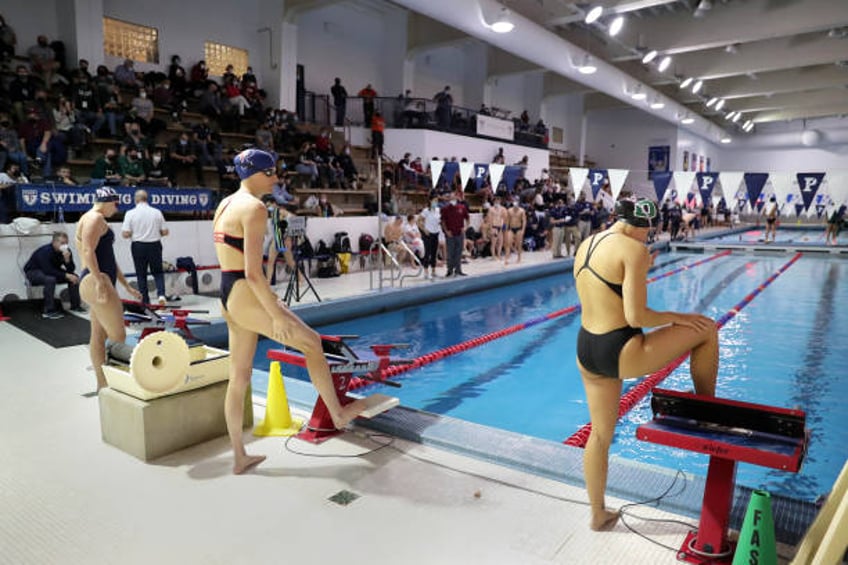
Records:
x=328, y=266
x=322, y=250
x=305, y=250
x=366, y=240
x=341, y=242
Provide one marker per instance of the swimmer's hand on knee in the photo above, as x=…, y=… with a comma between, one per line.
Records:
x=695, y=321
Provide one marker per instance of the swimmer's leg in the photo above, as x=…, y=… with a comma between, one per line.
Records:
x=603, y=397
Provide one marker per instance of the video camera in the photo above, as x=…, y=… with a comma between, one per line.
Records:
x=295, y=226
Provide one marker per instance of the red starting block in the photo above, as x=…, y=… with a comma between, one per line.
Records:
x=345, y=364
x=728, y=431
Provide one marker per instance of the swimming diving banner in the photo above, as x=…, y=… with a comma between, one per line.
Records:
x=50, y=197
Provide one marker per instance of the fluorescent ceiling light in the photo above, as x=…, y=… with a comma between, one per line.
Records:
x=730, y=115
x=726, y=139
x=503, y=23
x=697, y=86
x=687, y=120
x=711, y=101
x=649, y=56
x=638, y=95
x=736, y=117
x=686, y=82
x=616, y=26
x=594, y=14
x=720, y=104
x=657, y=105
x=665, y=63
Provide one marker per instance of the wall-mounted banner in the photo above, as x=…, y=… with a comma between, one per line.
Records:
x=481, y=171
x=51, y=197
x=494, y=127
x=436, y=166
x=658, y=159
x=809, y=184
x=661, y=181
x=706, y=184
x=596, y=181
x=755, y=182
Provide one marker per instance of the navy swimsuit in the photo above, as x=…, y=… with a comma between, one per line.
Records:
x=105, y=255
x=599, y=353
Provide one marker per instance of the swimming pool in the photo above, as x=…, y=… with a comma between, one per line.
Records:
x=783, y=349
x=796, y=235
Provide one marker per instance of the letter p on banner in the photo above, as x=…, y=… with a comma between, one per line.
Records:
x=756, y=545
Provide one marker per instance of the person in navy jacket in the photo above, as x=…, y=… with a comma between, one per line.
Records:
x=53, y=264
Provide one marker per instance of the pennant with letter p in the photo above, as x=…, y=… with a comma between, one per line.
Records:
x=706, y=184
x=809, y=184
x=596, y=181
x=481, y=171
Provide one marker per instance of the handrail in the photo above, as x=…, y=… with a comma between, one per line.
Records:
x=395, y=268
x=419, y=267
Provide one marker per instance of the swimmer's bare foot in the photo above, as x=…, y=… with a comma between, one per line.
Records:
x=603, y=520
x=349, y=412
x=246, y=463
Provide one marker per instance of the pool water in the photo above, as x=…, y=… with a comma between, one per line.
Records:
x=788, y=235
x=786, y=348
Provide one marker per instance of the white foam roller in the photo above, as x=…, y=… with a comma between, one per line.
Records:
x=160, y=361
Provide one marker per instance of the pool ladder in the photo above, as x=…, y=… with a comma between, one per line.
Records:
x=396, y=273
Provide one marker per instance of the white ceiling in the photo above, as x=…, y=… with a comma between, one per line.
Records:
x=774, y=61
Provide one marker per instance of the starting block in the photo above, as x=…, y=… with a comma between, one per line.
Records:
x=345, y=364
x=728, y=431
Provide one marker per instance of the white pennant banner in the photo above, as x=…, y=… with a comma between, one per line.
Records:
x=495, y=174
x=436, y=167
x=682, y=182
x=617, y=178
x=781, y=184
x=730, y=182
x=578, y=177
x=465, y=170
x=838, y=182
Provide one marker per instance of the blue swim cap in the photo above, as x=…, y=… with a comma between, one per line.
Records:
x=252, y=161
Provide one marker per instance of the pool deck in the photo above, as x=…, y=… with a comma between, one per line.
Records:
x=67, y=497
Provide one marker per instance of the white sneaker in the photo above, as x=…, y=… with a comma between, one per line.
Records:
x=163, y=301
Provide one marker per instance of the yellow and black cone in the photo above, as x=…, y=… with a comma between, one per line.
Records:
x=756, y=540
x=278, y=420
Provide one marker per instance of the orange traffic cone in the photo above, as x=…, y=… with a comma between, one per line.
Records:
x=278, y=420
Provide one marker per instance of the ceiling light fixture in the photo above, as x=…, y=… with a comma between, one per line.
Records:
x=616, y=26
x=730, y=115
x=711, y=101
x=664, y=64
x=649, y=56
x=736, y=117
x=638, y=93
x=697, y=87
x=703, y=7
x=587, y=66
x=657, y=104
x=687, y=119
x=503, y=23
x=720, y=104
x=686, y=82
x=726, y=139
x=594, y=14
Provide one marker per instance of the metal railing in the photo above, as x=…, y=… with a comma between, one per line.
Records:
x=396, y=272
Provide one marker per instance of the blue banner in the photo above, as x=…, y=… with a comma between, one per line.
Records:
x=449, y=172
x=52, y=197
x=661, y=181
x=658, y=159
x=706, y=184
x=481, y=171
x=596, y=181
x=511, y=175
x=809, y=184
x=755, y=182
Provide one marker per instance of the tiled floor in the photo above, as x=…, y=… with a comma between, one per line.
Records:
x=66, y=497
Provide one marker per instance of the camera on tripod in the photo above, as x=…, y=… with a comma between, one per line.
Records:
x=295, y=226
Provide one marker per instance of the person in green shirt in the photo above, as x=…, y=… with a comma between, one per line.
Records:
x=107, y=167
x=132, y=167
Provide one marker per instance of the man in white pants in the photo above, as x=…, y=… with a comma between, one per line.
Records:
x=146, y=227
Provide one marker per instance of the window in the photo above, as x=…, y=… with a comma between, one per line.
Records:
x=130, y=41
x=218, y=56
x=556, y=135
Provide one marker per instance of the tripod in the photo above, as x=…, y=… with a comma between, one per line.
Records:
x=293, y=289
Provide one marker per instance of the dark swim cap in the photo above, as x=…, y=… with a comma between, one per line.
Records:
x=640, y=213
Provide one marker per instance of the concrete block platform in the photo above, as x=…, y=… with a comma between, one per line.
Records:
x=149, y=429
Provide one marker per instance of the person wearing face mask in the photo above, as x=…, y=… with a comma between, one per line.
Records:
x=9, y=179
x=432, y=227
x=107, y=168
x=40, y=143
x=142, y=115
x=52, y=264
x=199, y=76
x=454, y=218
x=157, y=170
x=184, y=155
x=131, y=166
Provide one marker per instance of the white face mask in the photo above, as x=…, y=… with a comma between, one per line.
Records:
x=142, y=94
x=453, y=202
x=64, y=247
x=156, y=160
